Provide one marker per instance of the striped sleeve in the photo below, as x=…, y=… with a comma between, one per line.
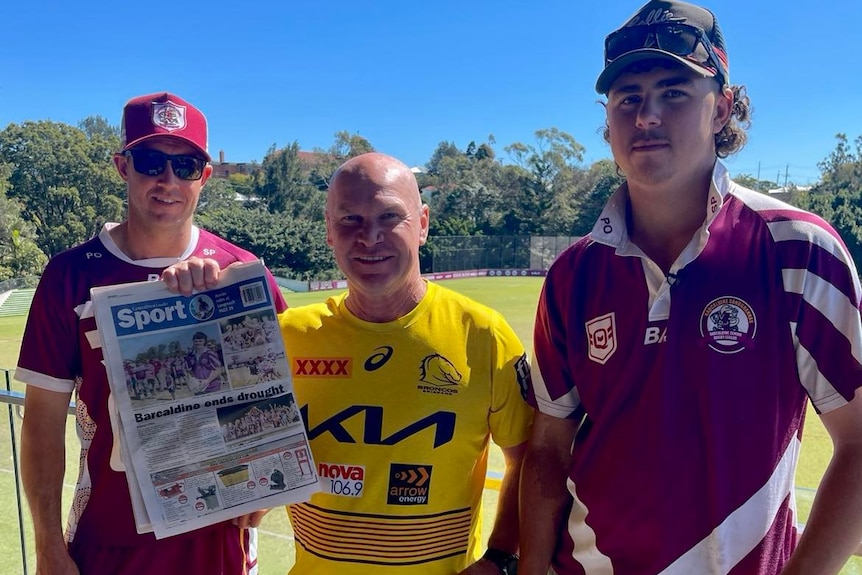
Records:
x=823, y=286
x=553, y=390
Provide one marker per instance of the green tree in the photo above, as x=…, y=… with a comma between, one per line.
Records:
x=442, y=151
x=550, y=172
x=20, y=256
x=349, y=145
x=325, y=162
x=243, y=184
x=217, y=194
x=290, y=247
x=64, y=181
x=485, y=151
x=752, y=183
x=597, y=186
x=463, y=190
x=837, y=198
x=283, y=185
x=99, y=126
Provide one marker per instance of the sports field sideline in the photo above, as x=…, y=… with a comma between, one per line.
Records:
x=515, y=297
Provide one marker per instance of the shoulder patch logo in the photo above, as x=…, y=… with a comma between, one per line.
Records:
x=602, y=335
x=169, y=116
x=728, y=324
x=522, y=371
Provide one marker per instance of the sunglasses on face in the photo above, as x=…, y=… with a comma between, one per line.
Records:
x=679, y=39
x=153, y=162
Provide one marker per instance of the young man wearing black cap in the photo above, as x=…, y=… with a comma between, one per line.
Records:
x=164, y=162
x=676, y=345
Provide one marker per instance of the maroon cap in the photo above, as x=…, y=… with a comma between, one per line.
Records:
x=163, y=114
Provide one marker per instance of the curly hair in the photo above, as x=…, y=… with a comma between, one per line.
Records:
x=733, y=136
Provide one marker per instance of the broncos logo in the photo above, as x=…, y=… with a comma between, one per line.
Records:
x=437, y=370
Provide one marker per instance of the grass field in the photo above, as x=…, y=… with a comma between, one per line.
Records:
x=514, y=297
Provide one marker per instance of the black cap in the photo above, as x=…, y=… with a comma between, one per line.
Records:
x=709, y=58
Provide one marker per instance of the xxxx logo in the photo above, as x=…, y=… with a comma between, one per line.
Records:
x=322, y=367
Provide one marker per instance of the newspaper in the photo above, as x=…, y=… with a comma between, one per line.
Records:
x=209, y=426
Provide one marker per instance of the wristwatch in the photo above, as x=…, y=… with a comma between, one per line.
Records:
x=507, y=563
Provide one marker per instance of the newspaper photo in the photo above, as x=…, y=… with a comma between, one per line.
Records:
x=210, y=429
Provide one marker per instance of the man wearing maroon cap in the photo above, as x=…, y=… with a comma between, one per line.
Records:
x=678, y=344
x=164, y=162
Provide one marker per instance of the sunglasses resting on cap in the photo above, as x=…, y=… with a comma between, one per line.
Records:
x=678, y=39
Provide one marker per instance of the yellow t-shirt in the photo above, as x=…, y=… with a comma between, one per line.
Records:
x=399, y=416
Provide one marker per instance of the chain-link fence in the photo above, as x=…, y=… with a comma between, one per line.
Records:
x=19, y=283
x=451, y=253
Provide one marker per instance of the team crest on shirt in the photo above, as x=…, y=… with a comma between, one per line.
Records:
x=602, y=335
x=728, y=324
x=169, y=116
x=439, y=375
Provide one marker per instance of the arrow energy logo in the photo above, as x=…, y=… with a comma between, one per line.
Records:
x=409, y=484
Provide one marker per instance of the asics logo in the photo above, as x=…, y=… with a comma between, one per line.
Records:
x=378, y=359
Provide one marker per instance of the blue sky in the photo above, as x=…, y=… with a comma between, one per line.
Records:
x=407, y=75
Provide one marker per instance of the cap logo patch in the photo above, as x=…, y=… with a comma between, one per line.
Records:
x=169, y=116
